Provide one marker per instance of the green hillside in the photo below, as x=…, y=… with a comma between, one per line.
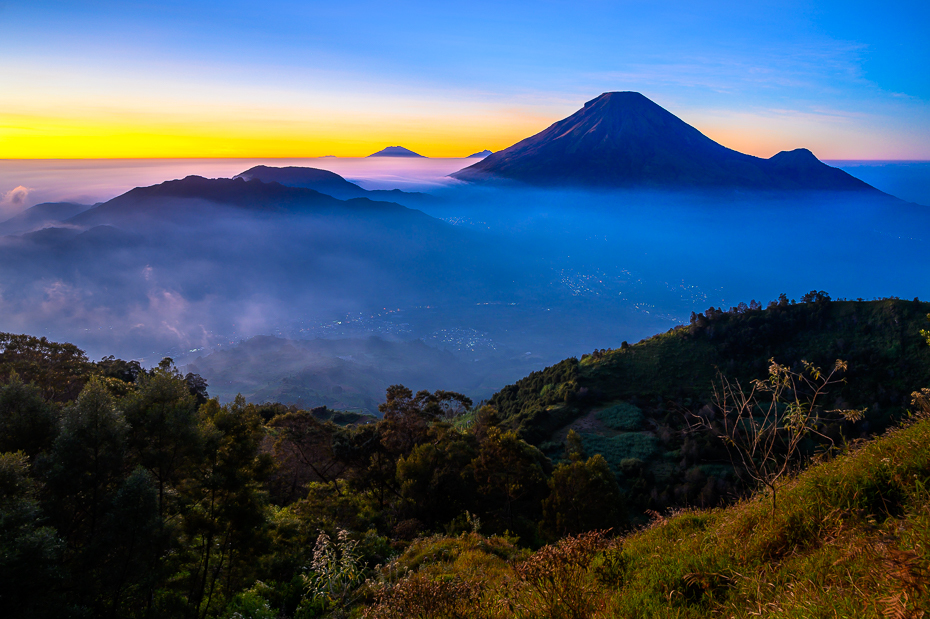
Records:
x=635, y=405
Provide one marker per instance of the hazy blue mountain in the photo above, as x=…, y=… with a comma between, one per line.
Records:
x=41, y=216
x=195, y=196
x=185, y=264
x=395, y=151
x=482, y=154
x=330, y=183
x=323, y=181
x=622, y=139
x=347, y=374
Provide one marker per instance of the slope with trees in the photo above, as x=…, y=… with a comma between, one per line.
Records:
x=138, y=496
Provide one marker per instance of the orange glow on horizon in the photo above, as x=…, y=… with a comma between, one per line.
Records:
x=46, y=137
x=229, y=136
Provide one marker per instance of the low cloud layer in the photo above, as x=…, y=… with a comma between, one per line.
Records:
x=511, y=280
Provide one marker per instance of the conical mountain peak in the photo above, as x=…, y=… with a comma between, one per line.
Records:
x=623, y=139
x=620, y=97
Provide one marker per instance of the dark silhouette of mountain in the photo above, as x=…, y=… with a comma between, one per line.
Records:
x=622, y=139
x=395, y=151
x=330, y=183
x=323, y=181
x=482, y=154
x=40, y=216
x=195, y=195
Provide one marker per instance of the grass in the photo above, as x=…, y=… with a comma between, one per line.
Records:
x=851, y=538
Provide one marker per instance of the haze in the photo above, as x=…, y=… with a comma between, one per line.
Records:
x=505, y=280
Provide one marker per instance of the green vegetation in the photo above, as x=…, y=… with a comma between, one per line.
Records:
x=623, y=417
x=851, y=539
x=128, y=492
x=670, y=378
x=625, y=446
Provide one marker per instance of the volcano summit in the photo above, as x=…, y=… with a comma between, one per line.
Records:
x=623, y=139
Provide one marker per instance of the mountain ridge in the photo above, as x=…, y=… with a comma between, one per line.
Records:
x=329, y=183
x=41, y=215
x=623, y=139
x=160, y=201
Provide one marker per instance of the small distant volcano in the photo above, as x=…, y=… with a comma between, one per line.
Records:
x=395, y=151
x=622, y=139
x=482, y=154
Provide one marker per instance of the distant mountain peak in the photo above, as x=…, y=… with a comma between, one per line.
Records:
x=623, y=139
x=483, y=153
x=395, y=151
x=798, y=155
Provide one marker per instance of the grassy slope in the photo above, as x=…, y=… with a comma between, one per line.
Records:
x=851, y=539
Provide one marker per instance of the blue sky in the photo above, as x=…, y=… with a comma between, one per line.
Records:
x=848, y=80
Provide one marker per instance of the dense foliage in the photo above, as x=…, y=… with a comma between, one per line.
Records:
x=127, y=492
x=850, y=539
x=637, y=405
x=140, y=496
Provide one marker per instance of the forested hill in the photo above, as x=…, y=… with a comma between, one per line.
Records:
x=880, y=340
x=635, y=405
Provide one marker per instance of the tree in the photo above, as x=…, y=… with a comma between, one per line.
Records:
x=510, y=474
x=303, y=452
x=583, y=497
x=164, y=434
x=763, y=429
x=59, y=370
x=436, y=478
x=407, y=416
x=27, y=422
x=224, y=520
x=30, y=553
x=126, y=371
x=86, y=463
x=106, y=512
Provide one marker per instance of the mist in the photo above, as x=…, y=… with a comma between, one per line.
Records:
x=494, y=282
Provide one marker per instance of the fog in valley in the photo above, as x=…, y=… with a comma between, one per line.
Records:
x=468, y=288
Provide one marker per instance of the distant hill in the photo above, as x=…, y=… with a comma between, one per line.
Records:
x=330, y=183
x=41, y=216
x=622, y=139
x=395, y=151
x=345, y=374
x=195, y=195
x=190, y=263
x=482, y=154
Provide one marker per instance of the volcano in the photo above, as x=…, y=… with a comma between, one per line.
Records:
x=623, y=139
x=395, y=151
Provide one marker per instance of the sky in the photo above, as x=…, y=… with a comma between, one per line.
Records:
x=102, y=79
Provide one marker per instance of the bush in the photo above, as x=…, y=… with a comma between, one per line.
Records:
x=624, y=417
